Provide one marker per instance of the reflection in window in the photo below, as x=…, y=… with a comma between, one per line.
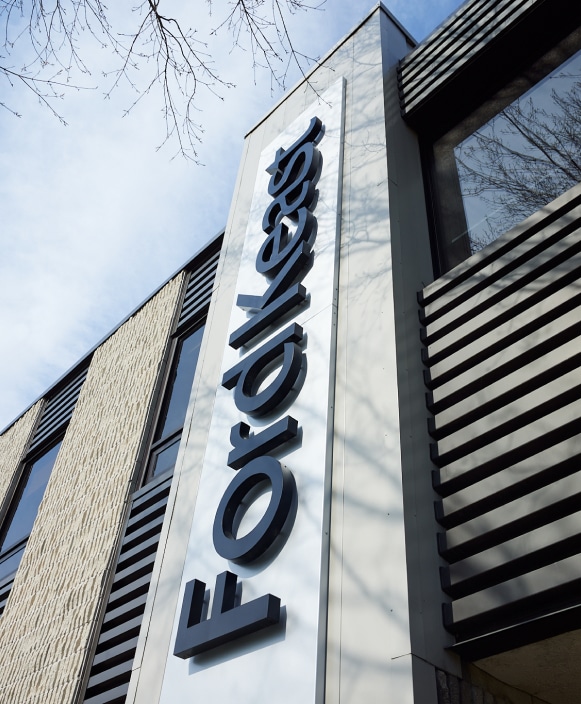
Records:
x=523, y=158
x=164, y=450
x=22, y=513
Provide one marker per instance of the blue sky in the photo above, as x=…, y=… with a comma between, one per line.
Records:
x=93, y=217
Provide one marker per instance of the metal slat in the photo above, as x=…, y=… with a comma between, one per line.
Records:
x=111, y=678
x=4, y=594
x=113, y=660
x=517, y=481
x=59, y=409
x=134, y=571
x=474, y=29
x=491, y=566
x=149, y=529
x=125, y=611
x=523, y=277
x=115, y=695
x=499, y=455
x=452, y=384
x=450, y=29
x=476, y=34
x=452, y=286
x=139, y=551
x=482, y=536
x=114, y=655
x=147, y=513
x=199, y=289
x=497, y=605
x=123, y=594
x=150, y=492
x=500, y=393
x=522, y=411
x=119, y=634
x=462, y=42
x=461, y=354
x=501, y=335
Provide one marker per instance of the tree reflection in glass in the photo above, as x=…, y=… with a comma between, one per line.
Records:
x=524, y=157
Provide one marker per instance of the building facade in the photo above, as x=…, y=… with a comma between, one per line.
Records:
x=335, y=457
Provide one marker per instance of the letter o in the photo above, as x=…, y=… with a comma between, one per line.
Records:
x=262, y=536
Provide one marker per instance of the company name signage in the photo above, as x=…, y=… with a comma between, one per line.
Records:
x=284, y=257
x=252, y=610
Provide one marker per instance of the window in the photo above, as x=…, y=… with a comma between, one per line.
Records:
x=493, y=171
x=23, y=509
x=168, y=432
x=22, y=506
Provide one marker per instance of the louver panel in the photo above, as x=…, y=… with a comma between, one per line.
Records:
x=475, y=53
x=113, y=661
x=199, y=290
x=59, y=409
x=5, y=588
x=453, y=45
x=503, y=370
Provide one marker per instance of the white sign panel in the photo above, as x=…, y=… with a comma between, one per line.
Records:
x=250, y=626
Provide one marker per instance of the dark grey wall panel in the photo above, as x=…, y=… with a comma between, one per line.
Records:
x=503, y=368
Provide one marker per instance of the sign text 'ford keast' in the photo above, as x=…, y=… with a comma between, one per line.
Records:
x=253, y=593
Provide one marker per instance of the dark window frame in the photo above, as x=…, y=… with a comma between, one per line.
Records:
x=14, y=498
x=154, y=445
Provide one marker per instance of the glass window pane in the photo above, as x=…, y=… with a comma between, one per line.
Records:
x=22, y=519
x=180, y=385
x=166, y=459
x=524, y=158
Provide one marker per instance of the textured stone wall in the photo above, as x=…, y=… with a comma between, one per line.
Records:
x=12, y=445
x=46, y=628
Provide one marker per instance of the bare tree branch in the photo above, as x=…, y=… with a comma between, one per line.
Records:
x=43, y=48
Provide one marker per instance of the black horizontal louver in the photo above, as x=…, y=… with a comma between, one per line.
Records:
x=452, y=45
x=503, y=362
x=58, y=410
x=113, y=661
x=5, y=593
x=472, y=55
x=199, y=291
